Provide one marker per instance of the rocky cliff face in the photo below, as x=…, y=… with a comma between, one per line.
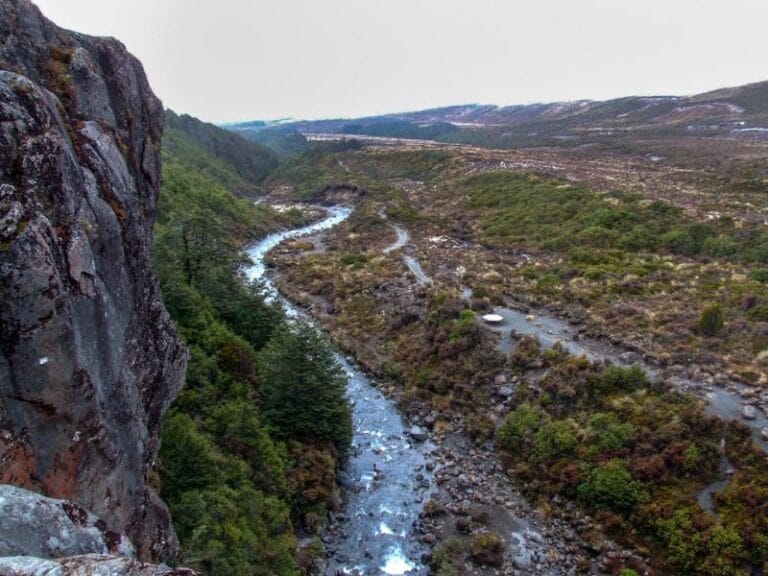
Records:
x=89, y=359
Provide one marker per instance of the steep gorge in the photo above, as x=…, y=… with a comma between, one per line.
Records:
x=89, y=360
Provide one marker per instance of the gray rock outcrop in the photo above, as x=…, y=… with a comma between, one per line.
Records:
x=89, y=359
x=34, y=525
x=86, y=565
x=42, y=536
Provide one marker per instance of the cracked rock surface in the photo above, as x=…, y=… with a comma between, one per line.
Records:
x=89, y=359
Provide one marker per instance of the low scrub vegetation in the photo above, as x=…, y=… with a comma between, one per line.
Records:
x=636, y=454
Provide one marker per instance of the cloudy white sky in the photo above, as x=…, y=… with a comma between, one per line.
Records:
x=225, y=60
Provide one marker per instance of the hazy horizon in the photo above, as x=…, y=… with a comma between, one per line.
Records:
x=318, y=59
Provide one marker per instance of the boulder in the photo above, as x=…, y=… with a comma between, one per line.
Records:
x=418, y=433
x=749, y=412
x=41, y=536
x=34, y=525
x=86, y=565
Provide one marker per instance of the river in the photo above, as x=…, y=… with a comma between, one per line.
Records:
x=403, y=237
x=385, y=480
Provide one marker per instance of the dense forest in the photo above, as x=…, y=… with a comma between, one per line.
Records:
x=246, y=463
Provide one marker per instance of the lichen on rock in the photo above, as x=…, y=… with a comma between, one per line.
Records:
x=89, y=359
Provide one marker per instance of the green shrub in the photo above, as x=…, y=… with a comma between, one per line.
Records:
x=611, y=486
x=447, y=559
x=354, y=260
x=711, y=321
x=759, y=313
x=520, y=426
x=236, y=532
x=608, y=433
x=620, y=379
x=188, y=458
x=487, y=549
x=555, y=439
x=760, y=275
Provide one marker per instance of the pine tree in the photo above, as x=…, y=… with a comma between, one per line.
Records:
x=303, y=388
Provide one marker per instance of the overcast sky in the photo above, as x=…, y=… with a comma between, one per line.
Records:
x=225, y=60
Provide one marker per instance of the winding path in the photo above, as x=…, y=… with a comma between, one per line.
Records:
x=403, y=237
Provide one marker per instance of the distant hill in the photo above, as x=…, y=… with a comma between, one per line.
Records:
x=740, y=112
x=752, y=97
x=280, y=137
x=235, y=162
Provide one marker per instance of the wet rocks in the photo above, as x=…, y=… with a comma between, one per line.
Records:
x=749, y=412
x=477, y=499
x=417, y=433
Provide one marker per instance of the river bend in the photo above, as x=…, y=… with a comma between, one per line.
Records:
x=385, y=479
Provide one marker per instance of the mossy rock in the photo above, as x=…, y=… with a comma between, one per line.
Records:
x=487, y=549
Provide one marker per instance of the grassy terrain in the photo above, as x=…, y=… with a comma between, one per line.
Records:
x=537, y=212
x=635, y=265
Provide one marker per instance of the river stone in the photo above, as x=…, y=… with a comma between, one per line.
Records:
x=749, y=412
x=418, y=433
x=33, y=525
x=505, y=391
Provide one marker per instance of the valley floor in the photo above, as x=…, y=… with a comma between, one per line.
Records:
x=432, y=242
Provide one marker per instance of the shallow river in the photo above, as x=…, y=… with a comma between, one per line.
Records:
x=384, y=478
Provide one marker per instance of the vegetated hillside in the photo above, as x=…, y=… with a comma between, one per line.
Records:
x=284, y=140
x=732, y=112
x=245, y=462
x=239, y=164
x=752, y=97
